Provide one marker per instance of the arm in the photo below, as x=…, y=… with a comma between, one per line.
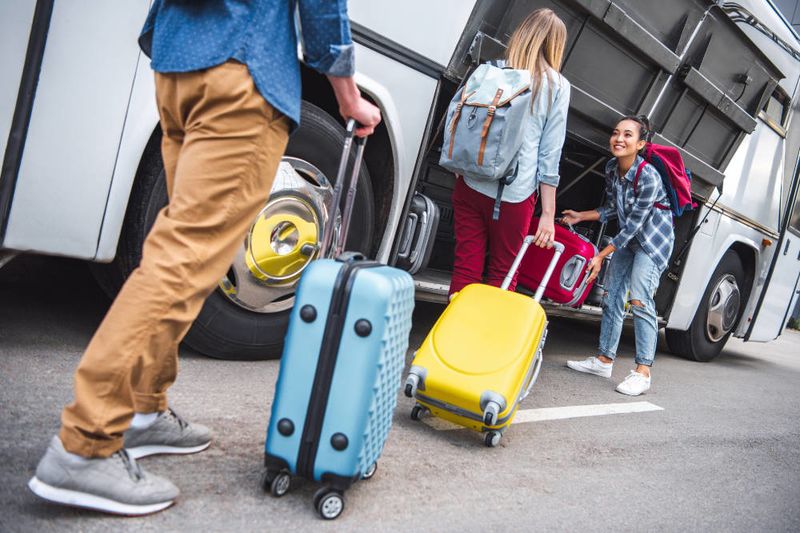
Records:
x=648, y=189
x=353, y=105
x=328, y=48
x=549, y=156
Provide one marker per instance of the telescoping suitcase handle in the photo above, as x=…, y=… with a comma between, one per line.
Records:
x=330, y=248
x=558, y=249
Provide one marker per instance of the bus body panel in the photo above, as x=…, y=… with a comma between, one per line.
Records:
x=444, y=19
x=16, y=17
x=75, y=127
x=140, y=124
x=405, y=96
x=781, y=293
x=765, y=316
x=753, y=178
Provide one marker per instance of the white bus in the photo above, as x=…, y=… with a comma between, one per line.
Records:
x=82, y=175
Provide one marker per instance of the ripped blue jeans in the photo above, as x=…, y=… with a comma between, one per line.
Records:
x=631, y=268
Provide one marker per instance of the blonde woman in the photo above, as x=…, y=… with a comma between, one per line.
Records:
x=537, y=45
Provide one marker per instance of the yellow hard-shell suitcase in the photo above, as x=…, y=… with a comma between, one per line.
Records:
x=482, y=356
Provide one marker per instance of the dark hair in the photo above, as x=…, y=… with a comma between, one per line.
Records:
x=645, y=130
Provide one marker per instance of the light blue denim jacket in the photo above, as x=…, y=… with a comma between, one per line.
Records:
x=541, y=147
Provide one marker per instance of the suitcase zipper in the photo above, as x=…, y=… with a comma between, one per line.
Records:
x=332, y=336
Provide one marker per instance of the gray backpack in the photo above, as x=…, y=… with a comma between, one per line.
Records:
x=484, y=127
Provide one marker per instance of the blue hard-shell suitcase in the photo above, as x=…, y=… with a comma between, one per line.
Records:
x=341, y=366
x=339, y=377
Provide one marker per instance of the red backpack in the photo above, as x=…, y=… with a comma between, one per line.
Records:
x=676, y=178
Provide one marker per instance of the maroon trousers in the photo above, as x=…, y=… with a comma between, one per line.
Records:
x=475, y=231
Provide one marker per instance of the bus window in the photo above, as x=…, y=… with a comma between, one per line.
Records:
x=777, y=108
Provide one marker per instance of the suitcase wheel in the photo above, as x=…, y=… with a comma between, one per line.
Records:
x=277, y=483
x=329, y=503
x=412, y=382
x=418, y=411
x=370, y=471
x=492, y=439
x=490, y=413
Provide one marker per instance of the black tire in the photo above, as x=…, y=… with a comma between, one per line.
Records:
x=370, y=473
x=223, y=330
x=416, y=413
x=695, y=343
x=266, y=480
x=280, y=485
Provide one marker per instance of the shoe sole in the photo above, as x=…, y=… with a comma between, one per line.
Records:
x=587, y=371
x=629, y=393
x=90, y=501
x=159, y=449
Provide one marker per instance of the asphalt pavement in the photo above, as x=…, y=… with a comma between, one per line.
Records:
x=719, y=450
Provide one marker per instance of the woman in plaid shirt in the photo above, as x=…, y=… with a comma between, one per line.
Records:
x=641, y=251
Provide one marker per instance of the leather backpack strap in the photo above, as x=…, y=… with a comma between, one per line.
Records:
x=488, y=122
x=456, y=117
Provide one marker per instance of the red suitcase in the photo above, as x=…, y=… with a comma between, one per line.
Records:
x=568, y=285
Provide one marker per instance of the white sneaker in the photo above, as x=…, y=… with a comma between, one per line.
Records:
x=634, y=384
x=592, y=365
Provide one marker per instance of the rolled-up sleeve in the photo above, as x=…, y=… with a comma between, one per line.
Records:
x=325, y=31
x=553, y=135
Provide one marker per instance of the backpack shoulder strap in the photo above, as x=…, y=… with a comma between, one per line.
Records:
x=636, y=177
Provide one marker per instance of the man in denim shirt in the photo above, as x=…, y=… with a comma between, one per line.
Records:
x=228, y=93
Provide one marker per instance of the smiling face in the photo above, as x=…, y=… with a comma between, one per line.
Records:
x=626, y=139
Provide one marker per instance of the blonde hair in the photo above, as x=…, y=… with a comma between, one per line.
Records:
x=536, y=44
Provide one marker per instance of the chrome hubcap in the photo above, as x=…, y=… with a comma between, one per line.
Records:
x=282, y=241
x=283, y=484
x=332, y=506
x=723, y=308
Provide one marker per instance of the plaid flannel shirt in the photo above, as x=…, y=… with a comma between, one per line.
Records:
x=636, y=213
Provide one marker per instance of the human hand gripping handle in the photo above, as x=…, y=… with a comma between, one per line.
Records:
x=545, y=232
x=558, y=250
x=596, y=262
x=570, y=217
x=353, y=106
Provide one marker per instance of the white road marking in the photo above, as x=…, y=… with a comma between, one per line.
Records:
x=559, y=413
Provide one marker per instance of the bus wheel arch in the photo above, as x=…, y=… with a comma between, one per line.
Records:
x=720, y=308
x=379, y=154
x=140, y=212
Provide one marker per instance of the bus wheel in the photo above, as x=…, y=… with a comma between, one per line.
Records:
x=716, y=316
x=247, y=316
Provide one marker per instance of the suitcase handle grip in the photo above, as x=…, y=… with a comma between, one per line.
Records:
x=408, y=235
x=558, y=249
x=330, y=248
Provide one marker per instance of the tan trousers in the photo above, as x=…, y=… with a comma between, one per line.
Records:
x=222, y=145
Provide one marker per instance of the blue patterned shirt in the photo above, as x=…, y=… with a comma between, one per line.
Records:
x=636, y=213
x=188, y=35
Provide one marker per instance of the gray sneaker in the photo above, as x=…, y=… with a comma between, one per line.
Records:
x=168, y=434
x=114, y=484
